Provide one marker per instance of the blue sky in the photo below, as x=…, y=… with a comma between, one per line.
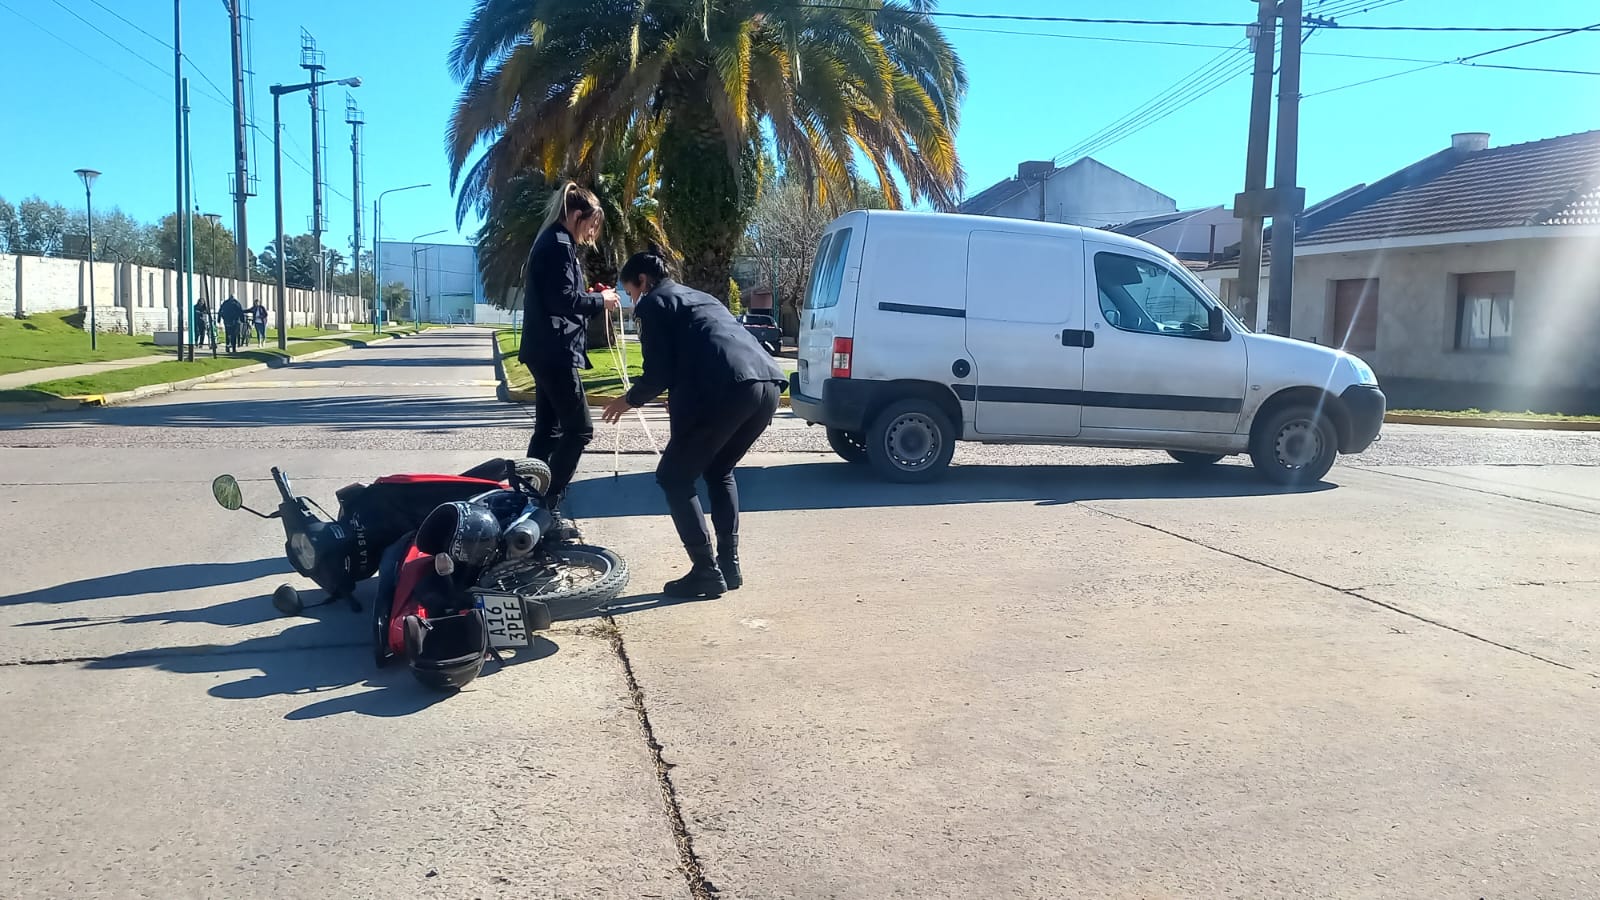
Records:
x=1031, y=97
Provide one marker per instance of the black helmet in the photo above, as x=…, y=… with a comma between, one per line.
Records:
x=467, y=532
x=447, y=653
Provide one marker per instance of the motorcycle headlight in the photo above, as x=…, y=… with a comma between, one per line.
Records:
x=305, y=555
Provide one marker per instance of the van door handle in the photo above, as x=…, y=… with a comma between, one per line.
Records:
x=1077, y=338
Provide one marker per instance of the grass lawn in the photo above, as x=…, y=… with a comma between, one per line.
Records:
x=1495, y=414
x=601, y=381
x=50, y=339
x=166, y=372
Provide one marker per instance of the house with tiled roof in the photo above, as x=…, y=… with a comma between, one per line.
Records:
x=1470, y=278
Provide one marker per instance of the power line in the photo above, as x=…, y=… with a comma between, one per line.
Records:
x=219, y=96
x=1088, y=20
x=90, y=56
x=1465, y=60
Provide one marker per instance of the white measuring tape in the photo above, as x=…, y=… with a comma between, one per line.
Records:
x=619, y=356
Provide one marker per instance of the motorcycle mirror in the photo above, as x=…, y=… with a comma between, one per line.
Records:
x=225, y=488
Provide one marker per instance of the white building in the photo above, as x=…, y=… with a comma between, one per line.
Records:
x=1086, y=192
x=443, y=281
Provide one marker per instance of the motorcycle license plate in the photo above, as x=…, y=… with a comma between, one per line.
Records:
x=508, y=621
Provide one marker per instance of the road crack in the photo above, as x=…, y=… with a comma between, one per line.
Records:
x=1348, y=592
x=688, y=862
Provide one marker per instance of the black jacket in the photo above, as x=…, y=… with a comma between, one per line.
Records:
x=696, y=349
x=556, y=308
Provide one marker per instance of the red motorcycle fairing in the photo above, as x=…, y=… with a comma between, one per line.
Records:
x=415, y=569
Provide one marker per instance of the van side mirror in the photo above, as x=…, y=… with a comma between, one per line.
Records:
x=1217, y=325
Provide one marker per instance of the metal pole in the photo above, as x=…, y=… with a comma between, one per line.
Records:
x=277, y=202
x=241, y=160
x=377, y=266
x=94, y=338
x=1286, y=193
x=316, y=191
x=1250, y=206
x=188, y=221
x=177, y=158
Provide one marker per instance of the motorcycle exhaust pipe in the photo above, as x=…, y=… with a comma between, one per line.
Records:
x=522, y=537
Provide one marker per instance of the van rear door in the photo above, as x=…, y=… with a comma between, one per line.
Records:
x=828, y=312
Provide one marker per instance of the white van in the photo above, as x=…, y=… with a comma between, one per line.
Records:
x=922, y=329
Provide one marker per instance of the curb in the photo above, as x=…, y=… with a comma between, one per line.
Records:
x=152, y=390
x=1482, y=422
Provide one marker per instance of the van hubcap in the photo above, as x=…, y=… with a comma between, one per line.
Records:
x=1299, y=444
x=913, y=441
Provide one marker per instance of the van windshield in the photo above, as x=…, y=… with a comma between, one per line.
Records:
x=827, y=274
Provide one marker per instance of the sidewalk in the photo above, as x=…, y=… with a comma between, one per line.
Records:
x=34, y=376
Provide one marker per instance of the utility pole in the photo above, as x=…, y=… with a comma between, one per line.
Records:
x=314, y=61
x=186, y=221
x=1289, y=199
x=181, y=208
x=352, y=115
x=243, y=186
x=1251, y=205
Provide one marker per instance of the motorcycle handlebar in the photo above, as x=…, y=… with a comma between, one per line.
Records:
x=282, y=481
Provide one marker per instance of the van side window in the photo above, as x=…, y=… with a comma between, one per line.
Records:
x=1143, y=296
x=827, y=275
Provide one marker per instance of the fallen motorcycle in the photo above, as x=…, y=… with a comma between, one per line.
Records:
x=467, y=565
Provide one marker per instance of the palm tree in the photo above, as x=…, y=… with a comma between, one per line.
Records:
x=688, y=88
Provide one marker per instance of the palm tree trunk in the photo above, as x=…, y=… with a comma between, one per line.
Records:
x=708, y=200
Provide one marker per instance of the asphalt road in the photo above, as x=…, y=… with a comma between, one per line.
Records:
x=1056, y=674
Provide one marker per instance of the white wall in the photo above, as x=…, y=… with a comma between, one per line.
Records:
x=144, y=298
x=1086, y=193
x=443, y=282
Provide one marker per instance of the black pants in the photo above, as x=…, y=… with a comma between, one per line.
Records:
x=562, y=426
x=709, y=446
x=234, y=331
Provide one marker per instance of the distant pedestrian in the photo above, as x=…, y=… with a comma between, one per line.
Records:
x=258, y=318
x=231, y=312
x=205, y=328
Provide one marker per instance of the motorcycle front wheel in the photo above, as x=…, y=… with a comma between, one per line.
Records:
x=573, y=580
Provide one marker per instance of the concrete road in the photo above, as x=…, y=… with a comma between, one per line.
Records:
x=1091, y=675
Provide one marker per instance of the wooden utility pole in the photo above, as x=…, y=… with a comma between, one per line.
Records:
x=1251, y=205
x=243, y=188
x=1289, y=200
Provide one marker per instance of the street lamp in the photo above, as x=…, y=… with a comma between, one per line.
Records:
x=88, y=176
x=416, y=309
x=278, y=91
x=211, y=253
x=377, y=235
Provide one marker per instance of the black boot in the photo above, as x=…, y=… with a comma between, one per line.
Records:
x=703, y=580
x=728, y=561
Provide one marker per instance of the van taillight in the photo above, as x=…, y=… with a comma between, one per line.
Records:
x=842, y=348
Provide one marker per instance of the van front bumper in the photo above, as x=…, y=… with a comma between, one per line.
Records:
x=1364, y=406
x=844, y=403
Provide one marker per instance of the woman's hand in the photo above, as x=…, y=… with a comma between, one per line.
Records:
x=615, y=410
x=610, y=298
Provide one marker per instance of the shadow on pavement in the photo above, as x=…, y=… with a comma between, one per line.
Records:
x=162, y=579
x=336, y=413
x=313, y=657
x=806, y=486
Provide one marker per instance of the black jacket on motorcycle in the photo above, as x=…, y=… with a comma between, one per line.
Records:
x=556, y=308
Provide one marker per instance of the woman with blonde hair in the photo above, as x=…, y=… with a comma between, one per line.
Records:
x=556, y=313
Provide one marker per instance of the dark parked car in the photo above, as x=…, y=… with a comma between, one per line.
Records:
x=765, y=330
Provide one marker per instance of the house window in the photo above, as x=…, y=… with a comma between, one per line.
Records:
x=1355, y=314
x=1483, y=311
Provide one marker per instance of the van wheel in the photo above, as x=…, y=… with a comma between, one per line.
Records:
x=1189, y=458
x=1296, y=445
x=850, y=445
x=911, y=441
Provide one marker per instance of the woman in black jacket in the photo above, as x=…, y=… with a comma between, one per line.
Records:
x=724, y=390
x=555, y=324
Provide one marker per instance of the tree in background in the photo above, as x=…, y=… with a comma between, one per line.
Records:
x=213, y=246
x=550, y=86
x=397, y=299
x=41, y=228
x=10, y=227
x=785, y=227
x=345, y=282
x=300, y=261
x=118, y=237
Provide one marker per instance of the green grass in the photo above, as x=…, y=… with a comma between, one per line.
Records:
x=603, y=381
x=204, y=364
x=50, y=339
x=1525, y=416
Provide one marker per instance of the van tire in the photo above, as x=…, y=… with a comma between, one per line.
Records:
x=850, y=445
x=1295, y=445
x=1190, y=458
x=911, y=441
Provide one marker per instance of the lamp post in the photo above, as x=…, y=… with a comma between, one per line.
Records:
x=211, y=254
x=377, y=235
x=88, y=176
x=278, y=92
x=417, y=307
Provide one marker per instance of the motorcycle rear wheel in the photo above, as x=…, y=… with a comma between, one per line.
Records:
x=571, y=579
x=536, y=471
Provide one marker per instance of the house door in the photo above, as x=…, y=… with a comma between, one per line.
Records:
x=1025, y=333
x=1355, y=314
